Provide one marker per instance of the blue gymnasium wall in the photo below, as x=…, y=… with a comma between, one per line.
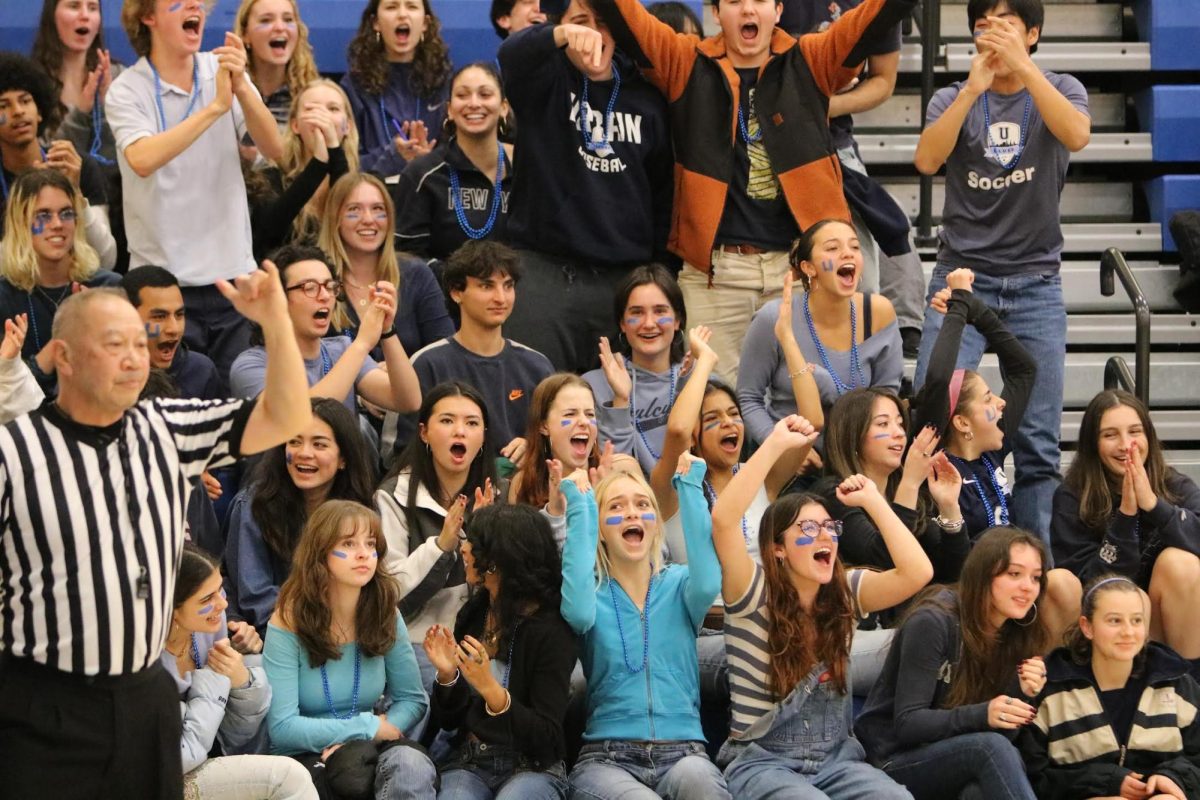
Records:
x=331, y=24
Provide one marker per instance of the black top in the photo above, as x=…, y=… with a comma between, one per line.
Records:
x=426, y=222
x=756, y=211
x=195, y=375
x=272, y=214
x=611, y=205
x=543, y=655
x=1120, y=706
x=91, y=184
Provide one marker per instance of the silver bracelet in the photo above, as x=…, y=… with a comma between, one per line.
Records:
x=806, y=369
x=952, y=526
x=453, y=680
x=507, y=705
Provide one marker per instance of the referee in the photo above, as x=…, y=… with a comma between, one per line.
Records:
x=93, y=494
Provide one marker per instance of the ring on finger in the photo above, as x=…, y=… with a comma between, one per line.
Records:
x=478, y=658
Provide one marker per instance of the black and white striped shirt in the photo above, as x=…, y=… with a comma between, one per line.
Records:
x=92, y=525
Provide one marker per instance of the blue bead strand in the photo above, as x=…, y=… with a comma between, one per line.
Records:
x=353, y=693
x=856, y=374
x=585, y=113
x=637, y=426
x=456, y=199
x=645, y=627
x=993, y=147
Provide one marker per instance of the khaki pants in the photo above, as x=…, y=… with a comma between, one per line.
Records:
x=741, y=285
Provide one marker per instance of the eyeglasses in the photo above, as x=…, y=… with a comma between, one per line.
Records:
x=312, y=287
x=811, y=528
x=43, y=218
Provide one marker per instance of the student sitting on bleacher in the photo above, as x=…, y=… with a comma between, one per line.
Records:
x=320, y=145
x=44, y=259
x=326, y=461
x=1122, y=509
x=19, y=392
x=397, y=66
x=279, y=57
x=460, y=191
x=1005, y=135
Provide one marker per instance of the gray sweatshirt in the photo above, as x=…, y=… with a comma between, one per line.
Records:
x=639, y=428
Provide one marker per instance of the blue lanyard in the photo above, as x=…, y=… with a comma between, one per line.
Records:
x=992, y=517
x=637, y=426
x=158, y=93
x=711, y=496
x=994, y=148
x=585, y=112
x=326, y=362
x=385, y=118
x=456, y=199
x=96, y=123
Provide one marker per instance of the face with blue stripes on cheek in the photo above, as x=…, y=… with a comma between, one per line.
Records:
x=354, y=558
x=649, y=323
x=718, y=435
x=810, y=544
x=628, y=520
x=571, y=427
x=201, y=613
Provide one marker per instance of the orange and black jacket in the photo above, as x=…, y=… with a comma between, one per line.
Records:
x=791, y=100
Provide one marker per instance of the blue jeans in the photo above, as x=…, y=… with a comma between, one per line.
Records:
x=646, y=771
x=806, y=751
x=214, y=327
x=481, y=771
x=984, y=765
x=404, y=773
x=1032, y=309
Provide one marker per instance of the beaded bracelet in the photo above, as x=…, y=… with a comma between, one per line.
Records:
x=953, y=526
x=805, y=370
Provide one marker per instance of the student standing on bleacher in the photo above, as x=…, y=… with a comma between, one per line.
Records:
x=1005, y=135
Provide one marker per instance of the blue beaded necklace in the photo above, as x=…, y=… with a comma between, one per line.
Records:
x=585, y=113
x=326, y=362
x=158, y=93
x=456, y=198
x=195, y=652
x=711, y=495
x=645, y=616
x=987, y=504
x=992, y=146
x=353, y=692
x=746, y=137
x=855, y=363
x=512, y=641
x=637, y=426
x=94, y=152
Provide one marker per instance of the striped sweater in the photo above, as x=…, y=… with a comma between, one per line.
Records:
x=1071, y=750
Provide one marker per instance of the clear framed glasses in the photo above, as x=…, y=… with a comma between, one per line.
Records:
x=43, y=218
x=312, y=287
x=811, y=529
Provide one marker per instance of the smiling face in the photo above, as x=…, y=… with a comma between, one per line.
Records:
x=354, y=558
x=579, y=13
x=272, y=32
x=313, y=457
x=310, y=315
x=882, y=449
x=718, y=436
x=77, y=23
x=571, y=427
x=747, y=26
x=454, y=433
x=1015, y=589
x=836, y=263
x=1120, y=427
x=161, y=308
x=401, y=24
x=53, y=237
x=19, y=118
x=981, y=415
x=178, y=25
x=1119, y=624
x=628, y=521
x=809, y=555
x=649, y=322
x=476, y=106
x=364, y=219
x=201, y=613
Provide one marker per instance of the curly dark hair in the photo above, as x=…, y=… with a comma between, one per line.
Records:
x=366, y=57
x=48, y=48
x=516, y=541
x=18, y=73
x=278, y=506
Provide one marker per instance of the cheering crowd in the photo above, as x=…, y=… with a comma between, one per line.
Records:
x=540, y=428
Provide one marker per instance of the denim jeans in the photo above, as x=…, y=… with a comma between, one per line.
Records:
x=645, y=771
x=479, y=771
x=214, y=327
x=405, y=773
x=806, y=751
x=984, y=765
x=1032, y=309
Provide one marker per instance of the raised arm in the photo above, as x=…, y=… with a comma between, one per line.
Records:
x=260, y=123
x=704, y=571
x=652, y=44
x=737, y=568
x=578, y=605
x=836, y=54
x=872, y=90
x=682, y=420
x=912, y=570
x=946, y=114
x=397, y=387
x=283, y=409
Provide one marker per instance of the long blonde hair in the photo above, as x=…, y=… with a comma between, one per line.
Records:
x=301, y=68
x=387, y=266
x=655, y=547
x=18, y=261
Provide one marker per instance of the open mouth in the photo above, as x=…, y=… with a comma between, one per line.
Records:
x=458, y=451
x=367, y=233
x=579, y=445
x=634, y=534
x=847, y=274
x=167, y=349
x=192, y=25
x=83, y=30
x=749, y=31
x=731, y=443
x=278, y=45
x=403, y=30
x=823, y=555
x=305, y=469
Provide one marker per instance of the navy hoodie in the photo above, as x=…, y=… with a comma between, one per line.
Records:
x=611, y=207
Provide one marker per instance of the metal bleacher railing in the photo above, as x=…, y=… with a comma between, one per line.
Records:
x=1116, y=369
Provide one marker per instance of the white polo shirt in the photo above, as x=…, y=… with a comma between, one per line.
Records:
x=191, y=215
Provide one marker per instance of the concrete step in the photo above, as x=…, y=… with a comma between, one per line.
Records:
x=898, y=148
x=902, y=112
x=1117, y=330
x=1091, y=21
x=1082, y=201
x=1081, y=287
x=1073, y=57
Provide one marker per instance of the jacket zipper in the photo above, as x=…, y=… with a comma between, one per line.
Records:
x=1121, y=760
x=649, y=691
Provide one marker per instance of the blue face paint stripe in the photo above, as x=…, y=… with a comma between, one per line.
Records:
x=566, y=423
x=827, y=264
x=338, y=554
x=882, y=436
x=712, y=425
x=174, y=7
x=665, y=321
x=204, y=612
x=804, y=541
x=613, y=520
x=633, y=322
x=990, y=414
x=649, y=516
